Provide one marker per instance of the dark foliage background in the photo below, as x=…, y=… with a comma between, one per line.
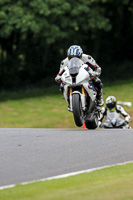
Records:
x=35, y=36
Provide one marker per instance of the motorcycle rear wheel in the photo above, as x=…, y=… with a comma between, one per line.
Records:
x=77, y=110
x=92, y=123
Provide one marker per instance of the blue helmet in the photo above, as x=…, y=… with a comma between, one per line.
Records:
x=74, y=51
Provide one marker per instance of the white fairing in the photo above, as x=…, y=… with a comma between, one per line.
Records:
x=113, y=120
x=82, y=79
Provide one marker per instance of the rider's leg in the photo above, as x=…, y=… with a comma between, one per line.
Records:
x=98, y=84
x=61, y=88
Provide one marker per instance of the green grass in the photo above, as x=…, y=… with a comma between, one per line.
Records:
x=114, y=183
x=45, y=108
x=34, y=112
x=36, y=108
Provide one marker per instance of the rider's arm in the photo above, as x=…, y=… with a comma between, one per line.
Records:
x=61, y=68
x=58, y=77
x=102, y=115
x=61, y=71
x=92, y=64
x=121, y=110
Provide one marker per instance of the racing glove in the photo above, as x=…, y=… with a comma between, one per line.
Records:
x=58, y=79
x=94, y=74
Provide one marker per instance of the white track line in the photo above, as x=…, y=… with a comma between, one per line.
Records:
x=64, y=175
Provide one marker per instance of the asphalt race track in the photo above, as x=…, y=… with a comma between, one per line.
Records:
x=32, y=154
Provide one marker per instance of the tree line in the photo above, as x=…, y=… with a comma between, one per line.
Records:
x=35, y=36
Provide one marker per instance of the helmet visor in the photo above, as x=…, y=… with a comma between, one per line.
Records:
x=110, y=106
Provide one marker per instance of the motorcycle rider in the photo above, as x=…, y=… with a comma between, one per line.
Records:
x=111, y=106
x=93, y=69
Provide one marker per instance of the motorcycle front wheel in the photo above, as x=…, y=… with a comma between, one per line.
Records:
x=77, y=110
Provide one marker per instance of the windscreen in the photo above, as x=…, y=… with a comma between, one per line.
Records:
x=74, y=65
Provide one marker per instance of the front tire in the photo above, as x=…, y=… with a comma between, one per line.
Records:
x=77, y=110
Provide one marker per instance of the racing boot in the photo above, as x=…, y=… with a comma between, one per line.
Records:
x=69, y=109
x=100, y=101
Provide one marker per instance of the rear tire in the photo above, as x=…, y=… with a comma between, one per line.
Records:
x=92, y=123
x=77, y=110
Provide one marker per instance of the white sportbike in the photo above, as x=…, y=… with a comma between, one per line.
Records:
x=113, y=120
x=80, y=94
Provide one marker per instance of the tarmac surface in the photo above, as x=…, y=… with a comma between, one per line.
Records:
x=28, y=154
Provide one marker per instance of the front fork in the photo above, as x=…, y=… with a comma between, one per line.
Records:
x=83, y=90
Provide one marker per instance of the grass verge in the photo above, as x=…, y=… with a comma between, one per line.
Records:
x=45, y=108
x=36, y=108
x=106, y=184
